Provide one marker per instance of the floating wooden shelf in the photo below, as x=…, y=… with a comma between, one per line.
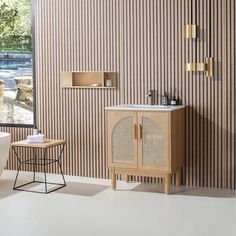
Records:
x=88, y=79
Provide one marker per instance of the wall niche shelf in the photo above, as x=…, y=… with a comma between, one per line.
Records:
x=88, y=79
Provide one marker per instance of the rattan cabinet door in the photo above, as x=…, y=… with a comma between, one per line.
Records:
x=153, y=141
x=122, y=139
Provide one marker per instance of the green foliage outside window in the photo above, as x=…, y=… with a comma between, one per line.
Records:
x=15, y=25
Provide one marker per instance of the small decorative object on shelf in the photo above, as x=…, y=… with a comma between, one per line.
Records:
x=108, y=83
x=173, y=101
x=35, y=130
x=165, y=99
x=38, y=138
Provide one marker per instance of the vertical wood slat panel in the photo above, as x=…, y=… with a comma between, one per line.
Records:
x=144, y=42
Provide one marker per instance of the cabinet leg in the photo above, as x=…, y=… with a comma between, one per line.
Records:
x=178, y=178
x=126, y=178
x=113, y=180
x=167, y=184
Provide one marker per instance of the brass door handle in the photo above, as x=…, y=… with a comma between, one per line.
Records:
x=135, y=132
x=140, y=131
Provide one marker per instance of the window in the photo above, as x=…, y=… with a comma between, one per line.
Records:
x=16, y=63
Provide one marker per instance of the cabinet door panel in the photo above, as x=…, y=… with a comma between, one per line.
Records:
x=153, y=142
x=122, y=141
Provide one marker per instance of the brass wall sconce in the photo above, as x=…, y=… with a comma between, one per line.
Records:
x=190, y=31
x=207, y=67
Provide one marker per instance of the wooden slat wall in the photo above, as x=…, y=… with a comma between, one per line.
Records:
x=143, y=41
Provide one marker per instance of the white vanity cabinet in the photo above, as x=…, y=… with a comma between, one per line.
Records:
x=145, y=141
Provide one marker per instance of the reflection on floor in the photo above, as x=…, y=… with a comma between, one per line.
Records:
x=89, y=207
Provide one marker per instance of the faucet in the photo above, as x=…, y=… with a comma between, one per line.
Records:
x=151, y=97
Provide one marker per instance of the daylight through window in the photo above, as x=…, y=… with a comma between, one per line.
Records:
x=16, y=62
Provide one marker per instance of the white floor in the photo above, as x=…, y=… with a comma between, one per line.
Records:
x=89, y=207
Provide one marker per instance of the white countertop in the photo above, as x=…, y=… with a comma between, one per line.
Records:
x=145, y=107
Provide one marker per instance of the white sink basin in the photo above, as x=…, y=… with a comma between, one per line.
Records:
x=144, y=107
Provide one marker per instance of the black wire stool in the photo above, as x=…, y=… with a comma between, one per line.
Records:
x=43, y=161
